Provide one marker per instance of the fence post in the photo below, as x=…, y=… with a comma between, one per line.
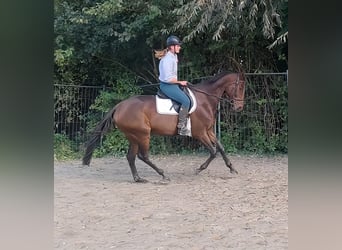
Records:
x=287, y=77
x=217, y=127
x=102, y=115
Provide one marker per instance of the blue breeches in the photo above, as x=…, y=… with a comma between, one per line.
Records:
x=174, y=92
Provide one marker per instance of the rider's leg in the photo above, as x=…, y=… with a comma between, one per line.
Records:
x=182, y=121
x=174, y=92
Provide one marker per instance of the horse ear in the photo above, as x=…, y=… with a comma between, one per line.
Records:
x=159, y=54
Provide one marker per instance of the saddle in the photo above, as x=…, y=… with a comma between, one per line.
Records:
x=176, y=105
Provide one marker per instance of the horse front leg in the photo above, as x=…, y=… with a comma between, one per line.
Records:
x=207, y=143
x=225, y=158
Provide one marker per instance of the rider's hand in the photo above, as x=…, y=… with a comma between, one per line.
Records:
x=183, y=83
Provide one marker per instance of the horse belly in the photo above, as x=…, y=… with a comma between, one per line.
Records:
x=139, y=115
x=164, y=124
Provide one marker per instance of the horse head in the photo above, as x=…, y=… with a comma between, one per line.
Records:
x=235, y=89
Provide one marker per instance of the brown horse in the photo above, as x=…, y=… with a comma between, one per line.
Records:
x=137, y=118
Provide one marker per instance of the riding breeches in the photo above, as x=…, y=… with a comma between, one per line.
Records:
x=174, y=92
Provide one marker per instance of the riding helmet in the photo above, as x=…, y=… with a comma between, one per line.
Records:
x=173, y=40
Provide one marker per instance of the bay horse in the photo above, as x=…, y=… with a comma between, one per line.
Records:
x=138, y=119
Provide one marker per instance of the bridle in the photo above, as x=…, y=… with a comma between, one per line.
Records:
x=236, y=88
x=236, y=84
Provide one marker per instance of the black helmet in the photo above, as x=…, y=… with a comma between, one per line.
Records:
x=173, y=40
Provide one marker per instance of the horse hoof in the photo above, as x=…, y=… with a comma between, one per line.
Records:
x=233, y=171
x=197, y=171
x=140, y=180
x=164, y=181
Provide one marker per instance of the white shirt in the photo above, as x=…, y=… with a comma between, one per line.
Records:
x=168, y=67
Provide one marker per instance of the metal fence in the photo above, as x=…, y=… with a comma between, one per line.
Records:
x=262, y=125
x=71, y=105
x=264, y=116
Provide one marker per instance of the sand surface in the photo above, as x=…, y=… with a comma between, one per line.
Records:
x=100, y=207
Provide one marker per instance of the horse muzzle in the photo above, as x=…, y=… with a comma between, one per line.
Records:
x=237, y=106
x=238, y=109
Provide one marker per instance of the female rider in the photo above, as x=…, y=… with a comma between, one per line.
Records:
x=170, y=84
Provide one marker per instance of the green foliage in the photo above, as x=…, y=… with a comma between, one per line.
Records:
x=253, y=139
x=230, y=140
x=64, y=148
x=97, y=40
x=111, y=42
x=173, y=145
x=262, y=126
x=158, y=145
x=114, y=143
x=123, y=88
x=257, y=141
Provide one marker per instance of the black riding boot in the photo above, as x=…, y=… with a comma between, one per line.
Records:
x=182, y=120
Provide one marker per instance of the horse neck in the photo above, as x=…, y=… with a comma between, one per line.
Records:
x=216, y=88
x=212, y=91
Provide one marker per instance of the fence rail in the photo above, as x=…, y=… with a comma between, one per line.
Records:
x=263, y=120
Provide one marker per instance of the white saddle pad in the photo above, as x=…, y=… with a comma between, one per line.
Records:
x=164, y=106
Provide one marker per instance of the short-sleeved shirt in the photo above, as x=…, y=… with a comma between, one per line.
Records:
x=168, y=67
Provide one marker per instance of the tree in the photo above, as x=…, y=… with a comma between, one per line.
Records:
x=98, y=40
x=245, y=28
x=112, y=42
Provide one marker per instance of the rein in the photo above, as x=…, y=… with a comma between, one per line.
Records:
x=193, y=87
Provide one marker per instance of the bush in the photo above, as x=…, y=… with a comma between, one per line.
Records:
x=229, y=141
x=114, y=143
x=64, y=148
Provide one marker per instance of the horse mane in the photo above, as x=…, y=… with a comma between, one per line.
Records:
x=214, y=78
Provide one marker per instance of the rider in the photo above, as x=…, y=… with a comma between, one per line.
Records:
x=169, y=83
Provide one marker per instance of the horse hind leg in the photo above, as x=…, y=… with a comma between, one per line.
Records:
x=143, y=155
x=131, y=156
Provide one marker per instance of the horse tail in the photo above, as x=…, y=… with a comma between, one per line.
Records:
x=101, y=129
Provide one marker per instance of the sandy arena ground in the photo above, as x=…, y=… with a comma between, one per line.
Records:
x=100, y=207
